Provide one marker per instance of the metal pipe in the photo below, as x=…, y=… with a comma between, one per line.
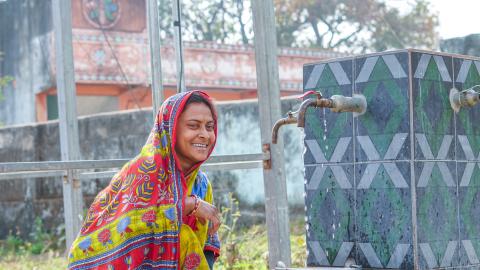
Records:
x=155, y=58
x=290, y=119
x=300, y=119
x=465, y=98
x=229, y=164
x=356, y=104
x=33, y=174
x=312, y=102
x=43, y=167
x=237, y=158
x=61, y=165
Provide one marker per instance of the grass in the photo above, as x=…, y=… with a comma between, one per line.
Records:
x=252, y=251
x=48, y=261
x=242, y=248
x=246, y=248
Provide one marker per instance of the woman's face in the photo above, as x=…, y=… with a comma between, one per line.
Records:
x=195, y=135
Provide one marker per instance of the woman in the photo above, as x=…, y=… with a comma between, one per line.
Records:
x=157, y=212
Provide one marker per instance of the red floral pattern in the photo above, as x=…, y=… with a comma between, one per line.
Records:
x=192, y=261
x=104, y=236
x=149, y=217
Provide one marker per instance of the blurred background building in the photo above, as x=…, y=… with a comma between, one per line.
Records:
x=112, y=61
x=112, y=58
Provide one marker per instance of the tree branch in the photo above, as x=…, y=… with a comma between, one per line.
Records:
x=330, y=30
x=240, y=21
x=360, y=28
x=318, y=36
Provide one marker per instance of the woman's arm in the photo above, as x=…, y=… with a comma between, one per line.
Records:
x=205, y=211
x=213, y=243
x=202, y=207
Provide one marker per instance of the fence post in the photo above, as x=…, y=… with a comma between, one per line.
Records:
x=177, y=24
x=155, y=56
x=70, y=149
x=276, y=204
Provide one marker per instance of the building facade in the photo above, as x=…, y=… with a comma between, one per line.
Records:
x=112, y=61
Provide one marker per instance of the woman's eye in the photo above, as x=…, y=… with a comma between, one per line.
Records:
x=193, y=126
x=210, y=127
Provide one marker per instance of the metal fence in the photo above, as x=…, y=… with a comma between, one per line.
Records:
x=72, y=170
x=41, y=169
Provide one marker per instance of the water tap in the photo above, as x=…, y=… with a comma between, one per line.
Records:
x=465, y=98
x=337, y=103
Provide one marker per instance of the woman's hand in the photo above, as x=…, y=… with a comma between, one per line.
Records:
x=209, y=212
x=205, y=211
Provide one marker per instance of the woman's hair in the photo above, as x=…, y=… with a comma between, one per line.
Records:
x=198, y=98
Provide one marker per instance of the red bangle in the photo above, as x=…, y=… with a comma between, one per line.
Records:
x=195, y=207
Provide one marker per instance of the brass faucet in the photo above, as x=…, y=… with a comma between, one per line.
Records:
x=468, y=97
x=290, y=119
x=336, y=103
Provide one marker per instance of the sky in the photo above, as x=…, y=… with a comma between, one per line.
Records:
x=457, y=18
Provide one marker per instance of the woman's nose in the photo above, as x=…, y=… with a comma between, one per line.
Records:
x=203, y=132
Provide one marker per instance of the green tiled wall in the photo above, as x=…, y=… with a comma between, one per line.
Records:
x=396, y=187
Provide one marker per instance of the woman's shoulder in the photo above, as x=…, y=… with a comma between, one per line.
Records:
x=202, y=179
x=201, y=186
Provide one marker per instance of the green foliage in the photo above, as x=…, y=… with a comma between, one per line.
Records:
x=228, y=233
x=345, y=25
x=3, y=82
x=354, y=25
x=39, y=242
x=13, y=243
x=414, y=29
x=247, y=248
x=41, y=251
x=213, y=20
x=242, y=248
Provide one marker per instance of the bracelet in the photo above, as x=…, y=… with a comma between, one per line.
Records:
x=195, y=207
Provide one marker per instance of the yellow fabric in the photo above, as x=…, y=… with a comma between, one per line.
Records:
x=202, y=232
x=133, y=226
x=194, y=241
x=189, y=244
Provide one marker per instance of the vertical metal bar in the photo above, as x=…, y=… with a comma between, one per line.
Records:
x=276, y=204
x=70, y=150
x=413, y=184
x=177, y=24
x=155, y=55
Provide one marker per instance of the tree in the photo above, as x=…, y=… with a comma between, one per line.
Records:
x=354, y=25
x=346, y=25
x=223, y=21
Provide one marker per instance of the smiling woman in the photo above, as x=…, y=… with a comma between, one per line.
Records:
x=195, y=132
x=158, y=212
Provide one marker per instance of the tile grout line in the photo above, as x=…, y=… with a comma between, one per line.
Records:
x=354, y=123
x=455, y=149
x=412, y=166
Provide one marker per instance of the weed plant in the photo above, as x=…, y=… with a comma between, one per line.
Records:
x=242, y=248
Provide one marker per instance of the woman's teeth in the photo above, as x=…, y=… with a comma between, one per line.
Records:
x=200, y=145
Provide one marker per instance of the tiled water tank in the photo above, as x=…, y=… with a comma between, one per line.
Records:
x=397, y=187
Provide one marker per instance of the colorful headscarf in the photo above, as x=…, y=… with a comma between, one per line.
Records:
x=136, y=220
